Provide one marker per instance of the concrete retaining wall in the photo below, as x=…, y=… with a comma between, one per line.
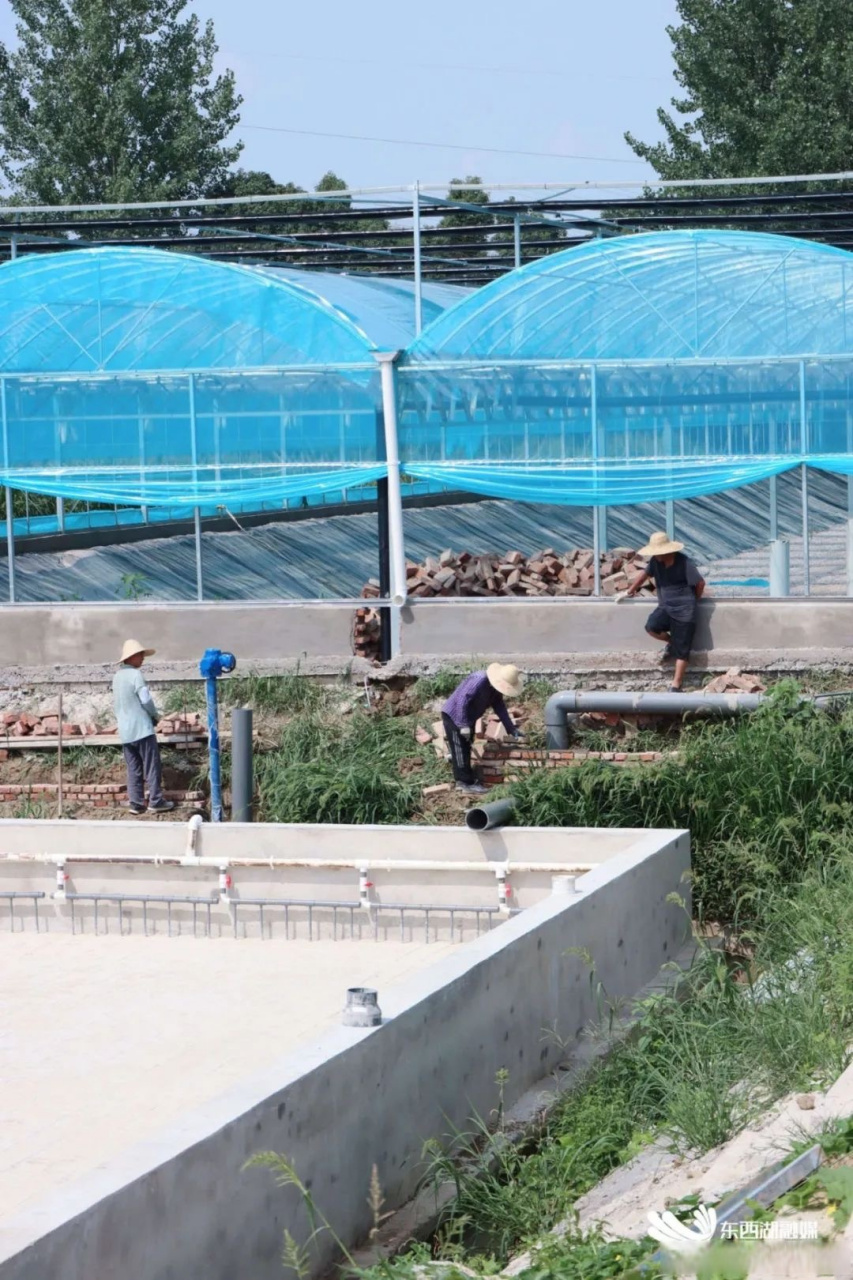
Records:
x=43, y=635
x=519, y=627
x=182, y=1206
x=82, y=640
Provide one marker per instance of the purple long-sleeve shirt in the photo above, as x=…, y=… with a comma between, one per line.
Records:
x=471, y=698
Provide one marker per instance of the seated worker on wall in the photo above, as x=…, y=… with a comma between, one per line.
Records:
x=465, y=706
x=679, y=586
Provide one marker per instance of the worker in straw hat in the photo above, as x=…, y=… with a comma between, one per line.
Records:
x=465, y=706
x=136, y=717
x=679, y=586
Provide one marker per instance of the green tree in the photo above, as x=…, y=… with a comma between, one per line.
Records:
x=109, y=100
x=465, y=191
x=768, y=88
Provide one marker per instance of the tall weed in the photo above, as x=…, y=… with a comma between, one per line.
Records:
x=764, y=797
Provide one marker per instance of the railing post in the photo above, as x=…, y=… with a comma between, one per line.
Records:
x=516, y=240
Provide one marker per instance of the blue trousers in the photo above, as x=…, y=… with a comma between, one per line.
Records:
x=143, y=765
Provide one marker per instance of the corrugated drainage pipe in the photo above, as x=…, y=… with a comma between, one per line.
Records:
x=484, y=817
x=561, y=706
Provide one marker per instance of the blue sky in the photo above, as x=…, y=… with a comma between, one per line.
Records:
x=565, y=78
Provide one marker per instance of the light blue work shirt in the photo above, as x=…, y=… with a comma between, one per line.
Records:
x=135, y=712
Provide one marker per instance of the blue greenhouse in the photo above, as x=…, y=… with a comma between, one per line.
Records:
x=650, y=367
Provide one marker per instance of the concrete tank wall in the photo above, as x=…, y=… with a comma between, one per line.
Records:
x=182, y=1206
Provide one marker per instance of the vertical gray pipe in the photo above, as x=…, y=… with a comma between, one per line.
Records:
x=780, y=568
x=242, y=781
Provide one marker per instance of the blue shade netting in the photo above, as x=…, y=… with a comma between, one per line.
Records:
x=636, y=369
x=141, y=376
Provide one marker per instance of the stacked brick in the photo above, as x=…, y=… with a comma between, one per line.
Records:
x=365, y=636
x=101, y=796
x=502, y=763
x=547, y=573
x=27, y=724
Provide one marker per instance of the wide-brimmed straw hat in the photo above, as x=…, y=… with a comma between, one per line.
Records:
x=660, y=544
x=506, y=679
x=132, y=647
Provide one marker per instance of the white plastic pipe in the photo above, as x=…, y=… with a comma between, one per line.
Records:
x=328, y=864
x=193, y=828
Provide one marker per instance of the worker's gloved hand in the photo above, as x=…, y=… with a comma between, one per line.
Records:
x=622, y=595
x=465, y=733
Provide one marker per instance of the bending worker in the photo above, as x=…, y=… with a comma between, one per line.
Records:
x=136, y=717
x=679, y=586
x=464, y=708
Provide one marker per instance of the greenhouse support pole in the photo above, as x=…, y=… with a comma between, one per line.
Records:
x=60, y=514
x=596, y=526
x=850, y=535
x=384, y=547
x=416, y=239
x=805, y=480
x=199, y=581
x=516, y=240
x=10, y=506
x=396, y=552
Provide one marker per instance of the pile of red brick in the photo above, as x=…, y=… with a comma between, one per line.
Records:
x=26, y=724
x=365, y=635
x=547, y=573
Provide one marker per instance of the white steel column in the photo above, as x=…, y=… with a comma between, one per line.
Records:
x=596, y=525
x=849, y=505
x=10, y=512
x=804, y=447
x=396, y=545
x=199, y=581
x=416, y=237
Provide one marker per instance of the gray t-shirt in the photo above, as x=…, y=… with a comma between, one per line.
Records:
x=676, y=585
x=136, y=714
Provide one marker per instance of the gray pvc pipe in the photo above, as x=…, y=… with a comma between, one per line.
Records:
x=242, y=782
x=485, y=817
x=560, y=706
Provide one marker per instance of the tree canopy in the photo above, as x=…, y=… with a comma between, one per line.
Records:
x=110, y=100
x=768, y=89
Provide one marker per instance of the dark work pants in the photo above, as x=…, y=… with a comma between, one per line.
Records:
x=143, y=765
x=460, y=752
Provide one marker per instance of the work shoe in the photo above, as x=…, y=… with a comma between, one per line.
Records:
x=136, y=808
x=162, y=806
x=472, y=788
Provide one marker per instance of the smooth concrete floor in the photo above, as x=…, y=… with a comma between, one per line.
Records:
x=103, y=1040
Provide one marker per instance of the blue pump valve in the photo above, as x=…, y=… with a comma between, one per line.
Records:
x=216, y=663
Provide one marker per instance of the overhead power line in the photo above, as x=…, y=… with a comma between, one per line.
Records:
x=437, y=146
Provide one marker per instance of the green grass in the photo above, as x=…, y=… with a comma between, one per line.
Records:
x=764, y=796
x=344, y=768
x=703, y=1060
